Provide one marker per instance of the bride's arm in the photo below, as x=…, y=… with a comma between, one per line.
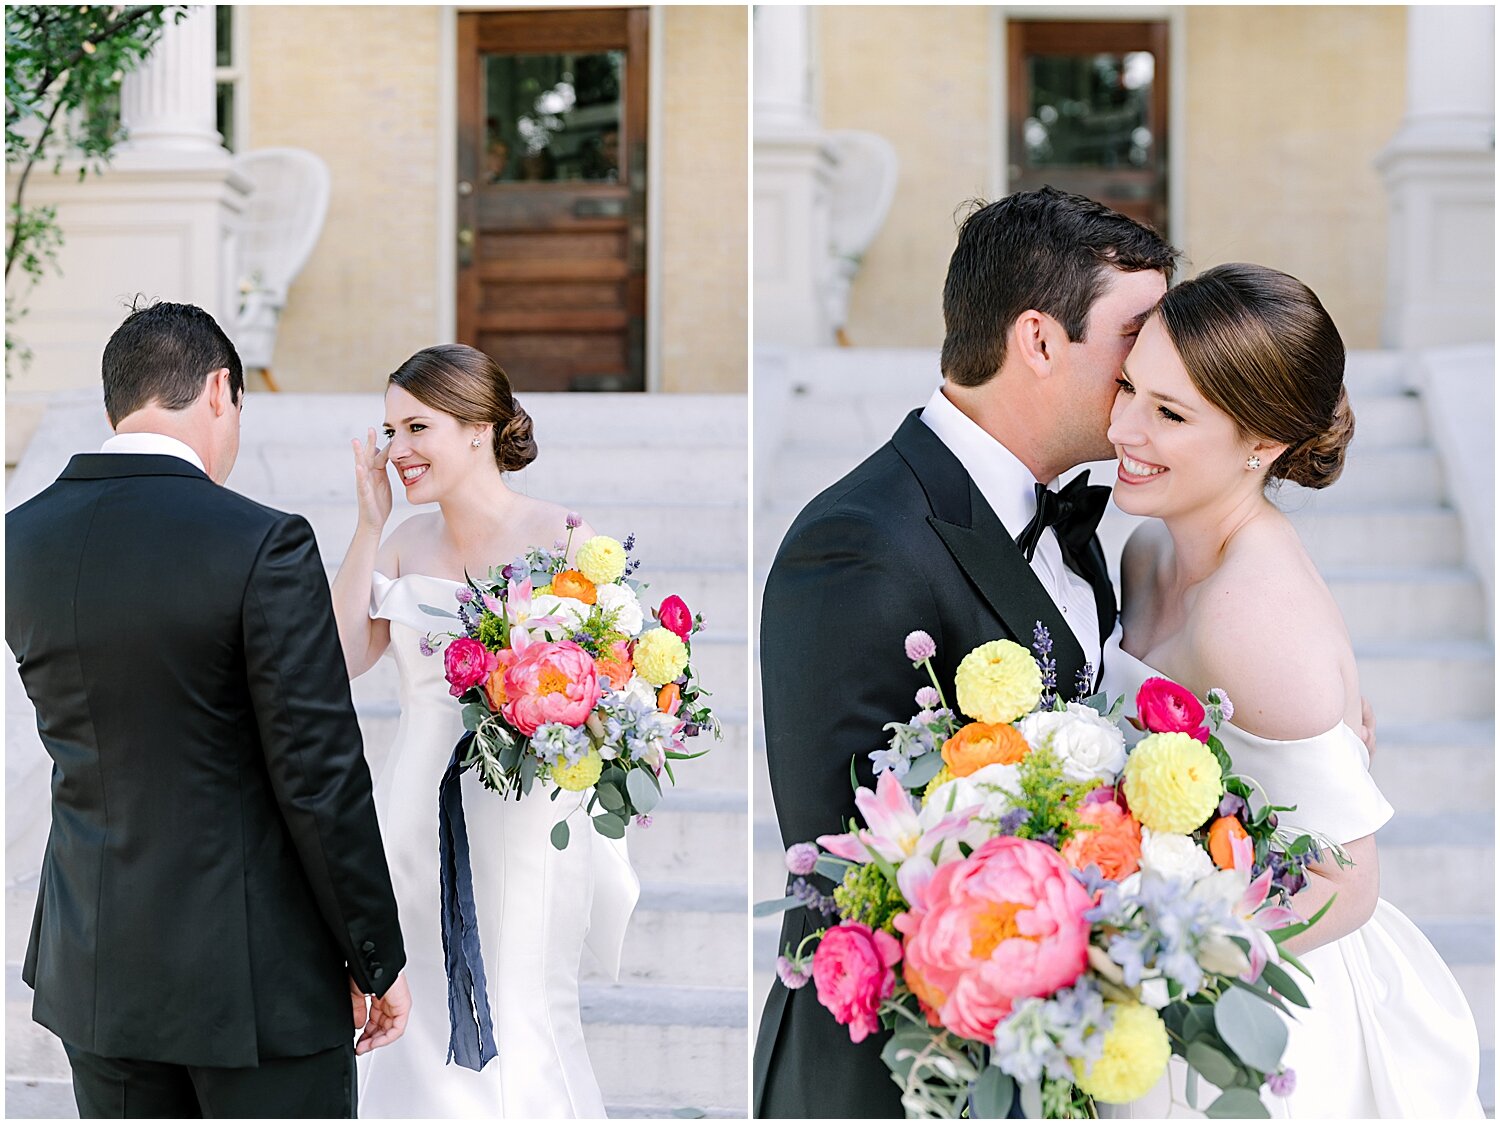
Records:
x=364, y=639
x=1357, y=889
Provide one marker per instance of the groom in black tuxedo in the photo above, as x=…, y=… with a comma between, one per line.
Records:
x=952, y=527
x=215, y=909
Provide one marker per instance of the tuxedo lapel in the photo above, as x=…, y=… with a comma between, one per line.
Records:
x=984, y=549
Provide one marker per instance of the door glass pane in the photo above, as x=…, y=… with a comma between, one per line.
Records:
x=1090, y=111
x=223, y=35
x=553, y=117
x=224, y=113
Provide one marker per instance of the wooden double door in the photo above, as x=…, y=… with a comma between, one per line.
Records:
x=552, y=195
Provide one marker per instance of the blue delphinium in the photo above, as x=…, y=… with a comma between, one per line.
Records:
x=1042, y=1036
x=553, y=740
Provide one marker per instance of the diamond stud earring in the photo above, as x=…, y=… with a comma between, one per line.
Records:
x=1253, y=463
x=476, y=443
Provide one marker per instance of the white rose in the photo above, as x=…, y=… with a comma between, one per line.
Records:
x=571, y=612
x=623, y=603
x=1174, y=856
x=982, y=791
x=1086, y=743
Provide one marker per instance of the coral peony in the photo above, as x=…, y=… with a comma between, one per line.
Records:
x=998, y=682
x=570, y=583
x=1173, y=782
x=1165, y=707
x=602, y=559
x=675, y=617
x=1221, y=839
x=550, y=683
x=1005, y=923
x=1136, y=1049
x=852, y=969
x=1114, y=846
x=660, y=656
x=467, y=663
x=983, y=743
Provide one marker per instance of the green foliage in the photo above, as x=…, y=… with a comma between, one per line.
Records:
x=63, y=69
x=1063, y=1100
x=1050, y=798
x=492, y=631
x=867, y=896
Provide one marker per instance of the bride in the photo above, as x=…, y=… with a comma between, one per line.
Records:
x=1237, y=380
x=453, y=430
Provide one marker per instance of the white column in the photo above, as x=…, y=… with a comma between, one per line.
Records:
x=1439, y=173
x=167, y=105
x=783, y=68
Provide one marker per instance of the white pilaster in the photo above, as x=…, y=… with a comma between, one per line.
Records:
x=1439, y=172
x=783, y=68
x=167, y=105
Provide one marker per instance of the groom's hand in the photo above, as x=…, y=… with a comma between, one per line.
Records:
x=388, y=1015
x=361, y=1003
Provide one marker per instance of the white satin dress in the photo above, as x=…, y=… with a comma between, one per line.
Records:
x=536, y=906
x=1389, y=1033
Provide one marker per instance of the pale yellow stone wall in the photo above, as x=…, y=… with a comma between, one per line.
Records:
x=1287, y=109
x=921, y=78
x=359, y=87
x=705, y=199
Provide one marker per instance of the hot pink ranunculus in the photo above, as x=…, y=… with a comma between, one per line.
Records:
x=549, y=682
x=676, y=617
x=467, y=663
x=852, y=970
x=1165, y=707
x=1001, y=925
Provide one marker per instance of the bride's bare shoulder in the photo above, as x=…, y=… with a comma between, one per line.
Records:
x=1147, y=548
x=1265, y=629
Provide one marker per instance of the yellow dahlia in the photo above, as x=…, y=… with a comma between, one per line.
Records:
x=577, y=777
x=998, y=682
x=601, y=560
x=1135, y=1056
x=1173, y=782
x=660, y=657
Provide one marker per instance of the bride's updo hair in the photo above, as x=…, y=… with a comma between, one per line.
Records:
x=467, y=384
x=1259, y=345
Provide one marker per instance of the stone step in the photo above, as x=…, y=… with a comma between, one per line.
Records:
x=1428, y=879
x=677, y=1047
x=690, y=934
x=1416, y=766
x=1409, y=604
x=40, y=1099
x=1403, y=679
x=694, y=837
x=31, y=1050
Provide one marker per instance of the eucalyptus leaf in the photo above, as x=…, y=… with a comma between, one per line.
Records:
x=610, y=797
x=1274, y=975
x=1238, y=1104
x=645, y=793
x=1214, y=1067
x=991, y=1096
x=474, y=716
x=434, y=611
x=771, y=908
x=610, y=825
x=528, y=772
x=1031, y=1099
x=1200, y=1018
x=1251, y=1029
x=1191, y=1088
x=1264, y=994
x=560, y=835
x=510, y=757
x=900, y=1053
x=922, y=770
x=833, y=868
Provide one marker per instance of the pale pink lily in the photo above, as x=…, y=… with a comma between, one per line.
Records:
x=518, y=612
x=1257, y=919
x=898, y=832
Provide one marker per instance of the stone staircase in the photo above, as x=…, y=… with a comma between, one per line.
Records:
x=1391, y=548
x=670, y=1037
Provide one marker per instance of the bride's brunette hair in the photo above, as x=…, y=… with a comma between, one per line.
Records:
x=467, y=384
x=1259, y=345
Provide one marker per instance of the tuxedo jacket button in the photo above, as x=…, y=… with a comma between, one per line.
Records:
x=368, y=946
x=375, y=975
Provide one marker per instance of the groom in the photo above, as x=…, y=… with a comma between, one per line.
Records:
x=947, y=528
x=215, y=905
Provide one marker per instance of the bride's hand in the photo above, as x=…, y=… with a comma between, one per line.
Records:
x=372, y=484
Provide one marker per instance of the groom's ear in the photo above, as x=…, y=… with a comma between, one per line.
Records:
x=1035, y=341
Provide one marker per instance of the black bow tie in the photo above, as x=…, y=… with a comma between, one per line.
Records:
x=1073, y=512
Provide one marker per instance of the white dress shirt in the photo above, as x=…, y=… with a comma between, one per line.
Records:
x=158, y=443
x=1009, y=488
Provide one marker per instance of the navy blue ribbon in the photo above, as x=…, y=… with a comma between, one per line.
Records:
x=471, y=1037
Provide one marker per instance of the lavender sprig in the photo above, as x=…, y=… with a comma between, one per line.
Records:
x=1041, y=644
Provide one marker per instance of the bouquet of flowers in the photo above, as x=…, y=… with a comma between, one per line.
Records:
x=562, y=679
x=1056, y=914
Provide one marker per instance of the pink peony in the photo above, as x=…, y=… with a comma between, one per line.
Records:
x=1003, y=924
x=467, y=663
x=549, y=682
x=852, y=970
x=1165, y=707
x=675, y=617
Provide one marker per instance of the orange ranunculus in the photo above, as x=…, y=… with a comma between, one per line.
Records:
x=494, y=689
x=1114, y=846
x=615, y=665
x=669, y=698
x=1221, y=838
x=983, y=743
x=570, y=583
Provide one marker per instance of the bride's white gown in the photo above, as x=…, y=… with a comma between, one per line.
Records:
x=1388, y=1033
x=537, y=907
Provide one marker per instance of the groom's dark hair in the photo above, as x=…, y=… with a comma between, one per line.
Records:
x=1045, y=249
x=161, y=354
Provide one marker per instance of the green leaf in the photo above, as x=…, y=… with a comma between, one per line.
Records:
x=688, y=1114
x=922, y=770
x=1200, y=1019
x=771, y=908
x=1263, y=994
x=1214, y=1066
x=610, y=797
x=560, y=834
x=528, y=772
x=645, y=792
x=1031, y=1099
x=510, y=757
x=991, y=1096
x=1191, y=1088
x=474, y=716
x=833, y=868
x=610, y=825
x=1276, y=976
x=1238, y=1104
x=673, y=755
x=434, y=611
x=1251, y=1029
x=907, y=1039
x=1287, y=932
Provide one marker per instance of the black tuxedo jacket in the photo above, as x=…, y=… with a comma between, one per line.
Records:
x=905, y=541
x=214, y=872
